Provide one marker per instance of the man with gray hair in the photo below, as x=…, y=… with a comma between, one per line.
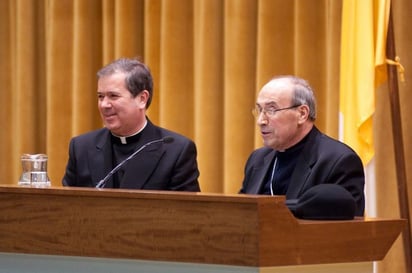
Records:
x=296, y=156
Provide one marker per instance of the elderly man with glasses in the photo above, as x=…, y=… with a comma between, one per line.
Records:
x=296, y=156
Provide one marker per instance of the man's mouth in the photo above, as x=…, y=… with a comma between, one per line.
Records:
x=108, y=115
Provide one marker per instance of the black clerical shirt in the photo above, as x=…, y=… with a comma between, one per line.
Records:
x=278, y=179
x=122, y=148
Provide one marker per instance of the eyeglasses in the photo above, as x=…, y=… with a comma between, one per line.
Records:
x=270, y=112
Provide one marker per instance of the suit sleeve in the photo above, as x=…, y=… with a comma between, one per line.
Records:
x=348, y=172
x=69, y=178
x=247, y=174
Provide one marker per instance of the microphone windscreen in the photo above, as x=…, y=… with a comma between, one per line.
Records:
x=168, y=139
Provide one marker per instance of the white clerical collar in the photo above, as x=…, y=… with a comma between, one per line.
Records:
x=124, y=139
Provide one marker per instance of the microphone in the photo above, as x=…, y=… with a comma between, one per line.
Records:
x=166, y=139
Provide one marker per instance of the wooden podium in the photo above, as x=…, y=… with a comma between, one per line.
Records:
x=186, y=232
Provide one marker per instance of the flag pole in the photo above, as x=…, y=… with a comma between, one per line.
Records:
x=398, y=142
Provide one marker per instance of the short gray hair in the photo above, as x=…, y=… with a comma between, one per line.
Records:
x=302, y=93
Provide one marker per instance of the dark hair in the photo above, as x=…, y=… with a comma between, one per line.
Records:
x=302, y=94
x=138, y=76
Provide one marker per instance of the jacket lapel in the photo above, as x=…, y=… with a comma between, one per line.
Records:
x=304, y=166
x=100, y=158
x=139, y=169
x=299, y=177
x=260, y=173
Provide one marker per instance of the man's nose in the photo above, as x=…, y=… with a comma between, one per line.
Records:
x=262, y=119
x=105, y=102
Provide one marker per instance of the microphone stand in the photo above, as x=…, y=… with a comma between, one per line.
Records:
x=102, y=182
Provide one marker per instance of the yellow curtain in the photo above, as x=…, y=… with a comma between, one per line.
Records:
x=209, y=59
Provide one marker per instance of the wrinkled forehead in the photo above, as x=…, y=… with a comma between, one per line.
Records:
x=278, y=92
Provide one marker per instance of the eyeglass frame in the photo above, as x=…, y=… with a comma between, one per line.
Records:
x=257, y=111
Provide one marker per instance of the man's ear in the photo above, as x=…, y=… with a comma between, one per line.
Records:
x=142, y=98
x=303, y=112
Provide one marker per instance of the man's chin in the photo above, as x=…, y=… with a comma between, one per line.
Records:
x=268, y=144
x=111, y=127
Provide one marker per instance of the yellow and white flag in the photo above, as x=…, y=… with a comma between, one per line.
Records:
x=362, y=70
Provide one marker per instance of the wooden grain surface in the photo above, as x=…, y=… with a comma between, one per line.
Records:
x=246, y=230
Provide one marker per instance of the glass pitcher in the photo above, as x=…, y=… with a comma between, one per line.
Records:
x=34, y=170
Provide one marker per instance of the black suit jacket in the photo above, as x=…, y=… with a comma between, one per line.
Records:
x=160, y=166
x=323, y=160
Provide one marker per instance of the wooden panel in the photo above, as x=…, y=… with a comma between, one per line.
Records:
x=122, y=225
x=241, y=230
